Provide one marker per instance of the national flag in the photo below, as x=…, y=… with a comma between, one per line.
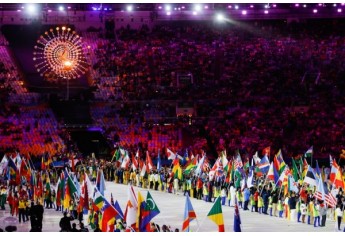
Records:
x=317, y=170
x=132, y=207
x=305, y=167
x=170, y=154
x=3, y=164
x=273, y=174
x=189, y=215
x=338, y=180
x=250, y=179
x=283, y=175
x=100, y=181
x=216, y=215
x=108, y=214
x=334, y=169
x=118, y=209
x=98, y=200
x=149, y=163
x=237, y=218
x=279, y=162
x=70, y=190
x=159, y=162
x=320, y=191
x=292, y=185
x=238, y=161
x=214, y=169
x=135, y=164
x=309, y=152
x=264, y=165
x=310, y=177
x=330, y=198
x=150, y=211
x=18, y=160
x=199, y=166
x=189, y=168
x=224, y=161
x=141, y=208
x=177, y=170
x=125, y=161
x=294, y=170
x=12, y=169
x=256, y=158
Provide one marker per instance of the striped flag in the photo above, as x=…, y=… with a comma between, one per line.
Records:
x=216, y=215
x=189, y=215
x=238, y=161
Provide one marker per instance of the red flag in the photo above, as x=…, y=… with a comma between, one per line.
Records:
x=149, y=162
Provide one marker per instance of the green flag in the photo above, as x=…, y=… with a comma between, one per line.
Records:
x=294, y=170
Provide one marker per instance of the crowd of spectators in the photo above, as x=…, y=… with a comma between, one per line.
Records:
x=256, y=84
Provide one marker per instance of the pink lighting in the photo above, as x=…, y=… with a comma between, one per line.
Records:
x=296, y=5
x=315, y=10
x=251, y=6
x=206, y=7
x=274, y=5
x=159, y=7
x=244, y=12
x=266, y=12
x=168, y=13
x=339, y=10
x=229, y=6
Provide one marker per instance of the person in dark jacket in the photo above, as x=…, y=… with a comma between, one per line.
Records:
x=65, y=223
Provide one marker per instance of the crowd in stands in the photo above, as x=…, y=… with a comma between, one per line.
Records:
x=32, y=130
x=256, y=84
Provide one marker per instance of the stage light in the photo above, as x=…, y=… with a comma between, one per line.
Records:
x=197, y=8
x=305, y=5
x=168, y=13
x=195, y=13
x=315, y=11
x=129, y=8
x=61, y=8
x=339, y=10
x=251, y=6
x=296, y=5
x=32, y=8
x=266, y=12
x=244, y=12
x=220, y=17
x=167, y=7
x=236, y=7
x=206, y=7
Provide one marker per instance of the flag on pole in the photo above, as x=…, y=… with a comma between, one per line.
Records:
x=237, y=218
x=320, y=191
x=264, y=165
x=250, y=179
x=149, y=212
x=216, y=215
x=272, y=173
x=189, y=215
x=100, y=181
x=310, y=177
x=292, y=185
x=131, y=208
x=159, y=162
x=109, y=213
x=170, y=154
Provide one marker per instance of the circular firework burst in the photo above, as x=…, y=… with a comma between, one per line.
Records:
x=59, y=53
